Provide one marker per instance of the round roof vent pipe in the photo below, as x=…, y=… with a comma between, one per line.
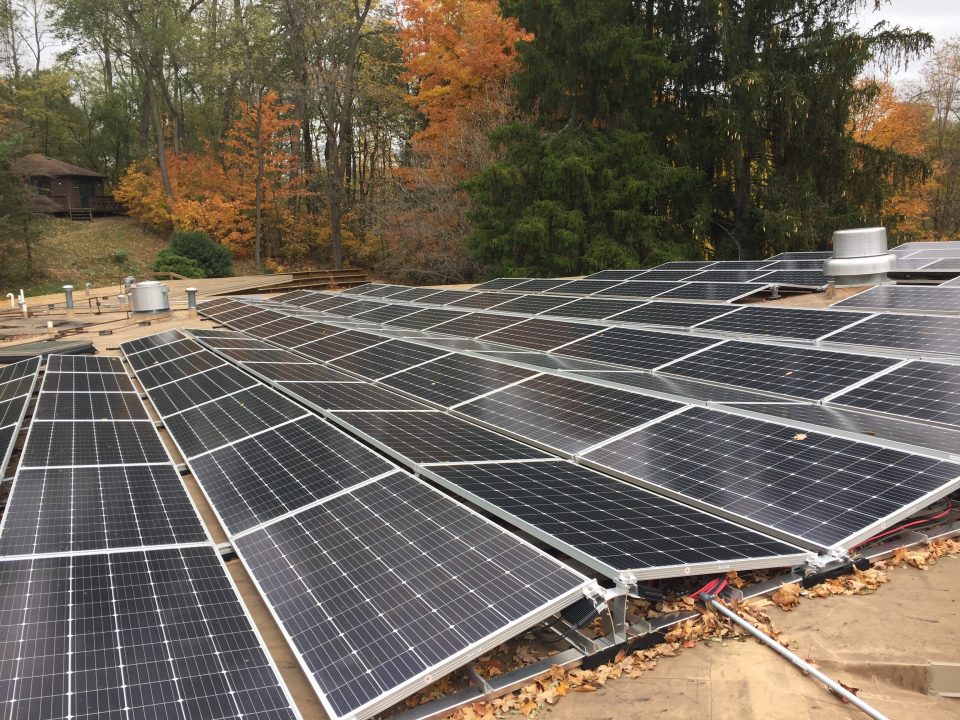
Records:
x=860, y=257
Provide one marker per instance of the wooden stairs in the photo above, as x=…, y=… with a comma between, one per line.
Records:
x=312, y=280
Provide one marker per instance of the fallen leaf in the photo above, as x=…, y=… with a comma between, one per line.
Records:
x=800, y=436
x=787, y=596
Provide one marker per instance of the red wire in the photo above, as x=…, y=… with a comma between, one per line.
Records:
x=900, y=528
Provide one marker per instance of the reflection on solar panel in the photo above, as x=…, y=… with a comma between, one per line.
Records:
x=424, y=319
x=17, y=381
x=795, y=265
x=414, y=294
x=276, y=327
x=158, y=634
x=176, y=369
x=349, y=396
x=328, y=303
x=563, y=414
x=638, y=288
x=951, y=283
x=531, y=304
x=271, y=355
x=83, y=363
x=386, y=313
x=170, y=351
x=583, y=287
x=921, y=390
x=665, y=275
x=387, y=358
x=741, y=265
x=447, y=296
x=950, y=264
x=725, y=276
x=265, y=476
x=76, y=509
x=636, y=348
x=167, y=336
x=535, y=285
x=545, y=360
x=542, y=334
x=55, y=444
x=592, y=308
x=475, y=324
x=805, y=278
x=434, y=437
x=796, y=372
x=912, y=298
x=455, y=378
x=500, y=283
x=194, y=390
x=339, y=344
x=679, y=387
x=618, y=529
x=672, y=314
x=205, y=427
x=685, y=265
x=89, y=406
x=84, y=382
x=385, y=588
x=480, y=301
x=355, y=308
x=613, y=275
x=816, y=255
x=783, y=322
x=385, y=290
x=918, y=333
x=821, y=491
x=724, y=292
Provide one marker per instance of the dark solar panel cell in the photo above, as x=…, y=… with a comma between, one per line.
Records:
x=535, y=285
x=741, y=265
x=480, y=301
x=500, y=283
x=639, y=288
x=356, y=308
x=334, y=346
x=531, y=304
x=592, y=308
x=664, y=275
x=713, y=291
x=350, y=396
x=143, y=343
x=76, y=509
x=455, y=378
x=191, y=391
x=84, y=363
x=685, y=265
x=671, y=314
x=304, y=371
x=783, y=322
x=797, y=372
x=178, y=368
x=681, y=387
x=378, y=587
x=262, y=477
x=475, y=324
x=612, y=525
x=539, y=334
x=414, y=294
x=636, y=348
x=435, y=437
x=77, y=382
x=387, y=358
x=823, y=491
x=272, y=355
x=92, y=443
x=796, y=265
x=583, y=287
x=308, y=332
x=329, y=302
x=804, y=278
x=386, y=313
x=910, y=298
x=447, y=296
x=613, y=275
x=424, y=319
x=276, y=327
x=565, y=414
x=724, y=276
x=89, y=406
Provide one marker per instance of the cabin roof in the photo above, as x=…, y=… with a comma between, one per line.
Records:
x=36, y=165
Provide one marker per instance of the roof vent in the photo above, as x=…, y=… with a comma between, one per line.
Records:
x=150, y=296
x=860, y=257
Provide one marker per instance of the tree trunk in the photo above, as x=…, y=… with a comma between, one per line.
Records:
x=161, y=144
x=258, y=184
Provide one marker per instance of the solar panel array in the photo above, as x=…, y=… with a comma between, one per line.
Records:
x=115, y=602
x=17, y=381
x=906, y=298
x=379, y=582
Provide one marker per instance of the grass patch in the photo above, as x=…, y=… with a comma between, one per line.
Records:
x=101, y=252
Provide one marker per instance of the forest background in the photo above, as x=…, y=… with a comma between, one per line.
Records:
x=449, y=140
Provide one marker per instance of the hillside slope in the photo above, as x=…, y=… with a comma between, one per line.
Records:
x=101, y=252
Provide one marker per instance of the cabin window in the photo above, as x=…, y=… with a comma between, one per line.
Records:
x=42, y=185
x=76, y=184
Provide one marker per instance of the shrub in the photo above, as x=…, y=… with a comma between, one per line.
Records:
x=120, y=257
x=169, y=261
x=213, y=257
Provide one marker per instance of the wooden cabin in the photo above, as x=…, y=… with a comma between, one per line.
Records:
x=65, y=189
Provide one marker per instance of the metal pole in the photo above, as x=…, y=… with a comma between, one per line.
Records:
x=68, y=291
x=191, y=298
x=13, y=299
x=834, y=686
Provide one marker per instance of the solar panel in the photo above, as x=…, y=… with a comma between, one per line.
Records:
x=583, y=287
x=329, y=302
x=820, y=491
x=531, y=304
x=636, y=348
x=349, y=396
x=167, y=336
x=387, y=358
x=307, y=332
x=205, y=427
x=783, y=322
x=741, y=265
x=545, y=360
x=804, y=278
x=948, y=264
x=265, y=476
x=475, y=324
x=293, y=296
x=797, y=372
x=480, y=301
x=618, y=529
x=904, y=264
x=679, y=387
x=158, y=634
x=447, y=296
x=535, y=285
x=89, y=406
x=276, y=327
x=424, y=319
x=639, y=288
x=500, y=284
x=563, y=414
x=251, y=321
x=177, y=368
x=17, y=381
x=672, y=314
x=271, y=355
x=181, y=394
x=76, y=509
x=431, y=436
x=130, y=347
x=85, y=382
x=414, y=294
x=304, y=371
x=385, y=290
x=813, y=255
x=83, y=363
x=54, y=444
x=339, y=344
x=539, y=334
x=590, y=308
x=795, y=265
x=20, y=387
x=950, y=283
x=355, y=308
x=613, y=275
x=921, y=390
x=384, y=589
x=917, y=333
x=363, y=289
x=685, y=265
x=170, y=351
x=911, y=298
x=724, y=276
x=724, y=292
x=664, y=275
x=455, y=378
x=386, y=313
x=246, y=343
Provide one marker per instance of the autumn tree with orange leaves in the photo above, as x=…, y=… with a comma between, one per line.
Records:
x=460, y=57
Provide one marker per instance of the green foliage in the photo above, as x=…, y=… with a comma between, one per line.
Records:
x=169, y=261
x=120, y=257
x=18, y=229
x=213, y=257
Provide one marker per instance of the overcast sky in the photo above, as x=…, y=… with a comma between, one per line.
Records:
x=940, y=18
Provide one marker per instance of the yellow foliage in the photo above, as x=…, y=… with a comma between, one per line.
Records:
x=142, y=193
